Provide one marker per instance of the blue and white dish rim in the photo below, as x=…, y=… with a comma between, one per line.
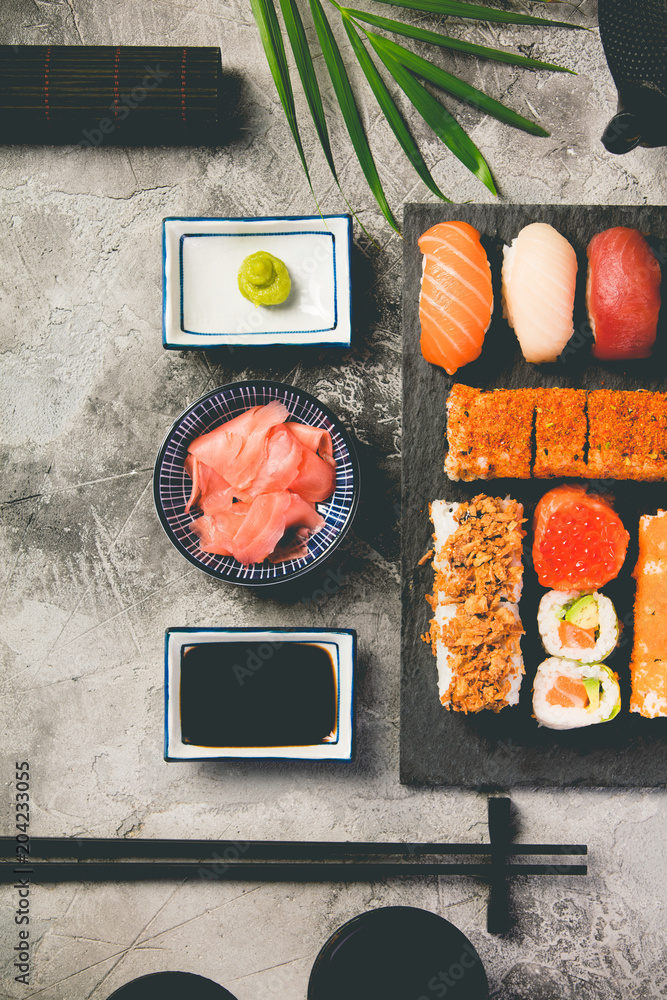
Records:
x=345, y=641
x=337, y=336
x=171, y=484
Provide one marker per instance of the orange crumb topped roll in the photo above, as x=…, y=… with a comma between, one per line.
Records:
x=560, y=433
x=489, y=433
x=649, y=653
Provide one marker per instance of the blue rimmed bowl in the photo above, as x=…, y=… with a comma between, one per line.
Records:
x=172, y=485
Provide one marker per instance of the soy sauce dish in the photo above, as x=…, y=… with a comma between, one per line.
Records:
x=244, y=693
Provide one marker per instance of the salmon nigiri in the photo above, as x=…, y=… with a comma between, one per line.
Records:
x=456, y=295
x=539, y=279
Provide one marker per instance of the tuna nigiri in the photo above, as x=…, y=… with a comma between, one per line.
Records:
x=539, y=278
x=622, y=294
x=456, y=295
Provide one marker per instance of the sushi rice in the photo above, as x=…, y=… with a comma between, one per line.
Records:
x=556, y=675
x=551, y=614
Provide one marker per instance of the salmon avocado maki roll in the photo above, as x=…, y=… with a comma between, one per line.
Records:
x=569, y=695
x=577, y=626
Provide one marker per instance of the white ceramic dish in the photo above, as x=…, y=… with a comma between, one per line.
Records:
x=341, y=647
x=203, y=307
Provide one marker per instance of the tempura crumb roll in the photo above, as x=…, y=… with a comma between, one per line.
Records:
x=569, y=695
x=475, y=632
x=478, y=548
x=649, y=654
x=479, y=661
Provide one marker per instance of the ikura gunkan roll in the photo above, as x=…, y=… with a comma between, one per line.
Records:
x=578, y=626
x=568, y=695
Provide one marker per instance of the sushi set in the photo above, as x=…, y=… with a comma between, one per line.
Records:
x=533, y=648
x=533, y=534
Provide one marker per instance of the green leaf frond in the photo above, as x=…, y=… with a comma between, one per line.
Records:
x=403, y=66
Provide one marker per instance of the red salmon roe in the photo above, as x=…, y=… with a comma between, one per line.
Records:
x=579, y=540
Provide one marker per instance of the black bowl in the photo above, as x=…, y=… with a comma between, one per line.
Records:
x=170, y=986
x=398, y=953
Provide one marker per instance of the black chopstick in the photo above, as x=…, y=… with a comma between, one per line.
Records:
x=499, y=819
x=243, y=871
x=108, y=849
x=39, y=860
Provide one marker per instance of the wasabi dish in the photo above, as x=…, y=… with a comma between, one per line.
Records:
x=264, y=279
x=578, y=626
x=569, y=695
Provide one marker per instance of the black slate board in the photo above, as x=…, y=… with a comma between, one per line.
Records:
x=509, y=749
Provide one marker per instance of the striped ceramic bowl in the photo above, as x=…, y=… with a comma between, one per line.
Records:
x=172, y=485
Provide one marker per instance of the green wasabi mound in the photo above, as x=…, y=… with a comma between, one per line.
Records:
x=264, y=279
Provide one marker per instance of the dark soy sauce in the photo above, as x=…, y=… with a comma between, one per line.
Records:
x=257, y=694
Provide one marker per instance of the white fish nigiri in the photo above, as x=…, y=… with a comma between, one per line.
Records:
x=539, y=278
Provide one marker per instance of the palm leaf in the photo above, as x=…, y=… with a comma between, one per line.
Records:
x=436, y=116
x=304, y=64
x=434, y=38
x=454, y=8
x=391, y=112
x=404, y=66
x=458, y=88
x=269, y=32
x=349, y=110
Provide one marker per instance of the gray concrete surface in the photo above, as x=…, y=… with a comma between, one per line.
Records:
x=90, y=581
